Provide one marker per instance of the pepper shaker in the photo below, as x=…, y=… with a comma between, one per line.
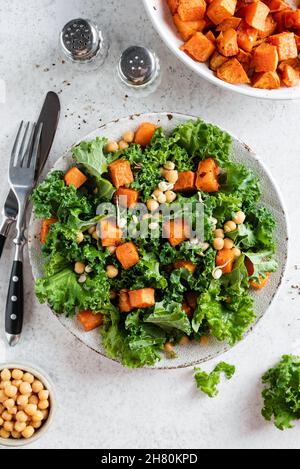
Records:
x=138, y=71
x=82, y=43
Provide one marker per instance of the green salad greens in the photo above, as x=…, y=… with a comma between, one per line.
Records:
x=282, y=392
x=160, y=288
x=208, y=382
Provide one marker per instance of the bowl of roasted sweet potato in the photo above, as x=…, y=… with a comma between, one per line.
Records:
x=249, y=47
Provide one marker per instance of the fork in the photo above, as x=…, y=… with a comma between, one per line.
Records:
x=21, y=178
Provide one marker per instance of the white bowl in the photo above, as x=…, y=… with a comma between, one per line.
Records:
x=161, y=17
x=192, y=354
x=41, y=376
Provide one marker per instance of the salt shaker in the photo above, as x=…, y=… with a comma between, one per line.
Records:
x=138, y=71
x=82, y=44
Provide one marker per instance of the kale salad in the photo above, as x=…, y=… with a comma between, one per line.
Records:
x=120, y=254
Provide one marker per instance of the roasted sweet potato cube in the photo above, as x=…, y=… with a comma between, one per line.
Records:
x=245, y=58
x=219, y=10
x=210, y=35
x=233, y=72
x=143, y=298
x=290, y=76
x=187, y=309
x=191, y=10
x=176, y=231
x=286, y=45
x=256, y=14
x=276, y=5
x=188, y=265
x=127, y=254
x=229, y=23
x=173, y=5
x=225, y=259
x=292, y=19
x=124, y=303
x=199, y=47
x=265, y=58
x=246, y=36
x=295, y=63
x=185, y=181
x=74, y=177
x=126, y=197
x=217, y=60
x=89, y=320
x=111, y=234
x=120, y=173
x=297, y=39
x=227, y=43
x=187, y=29
x=266, y=80
x=269, y=29
x=207, y=176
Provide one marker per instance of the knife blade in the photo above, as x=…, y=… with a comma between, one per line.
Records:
x=49, y=116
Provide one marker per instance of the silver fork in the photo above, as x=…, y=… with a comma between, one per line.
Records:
x=21, y=178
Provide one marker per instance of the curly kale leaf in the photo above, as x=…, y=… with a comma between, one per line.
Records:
x=208, y=382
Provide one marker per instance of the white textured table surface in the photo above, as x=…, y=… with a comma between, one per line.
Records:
x=102, y=405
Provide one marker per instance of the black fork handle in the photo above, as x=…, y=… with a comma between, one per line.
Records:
x=2, y=243
x=15, y=301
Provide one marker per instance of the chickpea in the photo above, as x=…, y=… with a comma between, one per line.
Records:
x=236, y=252
x=161, y=199
x=219, y=233
x=33, y=400
x=228, y=243
x=28, y=432
x=5, y=375
x=170, y=196
x=13, y=410
x=218, y=243
x=2, y=408
x=79, y=267
x=88, y=269
x=17, y=374
x=25, y=388
x=20, y=426
x=79, y=237
x=152, y=205
x=184, y=340
x=165, y=186
x=30, y=409
x=21, y=416
x=128, y=136
x=22, y=400
x=82, y=278
x=36, y=424
x=92, y=229
x=4, y=434
x=9, y=403
x=3, y=396
x=8, y=426
x=239, y=217
x=123, y=145
x=3, y=384
x=204, y=340
x=43, y=395
x=95, y=235
x=1, y=421
x=169, y=165
x=6, y=416
x=171, y=176
x=37, y=386
x=42, y=405
x=16, y=435
x=16, y=382
x=156, y=193
x=112, y=271
x=37, y=416
x=112, y=249
x=229, y=226
x=10, y=390
x=28, y=378
x=168, y=347
x=217, y=274
x=112, y=147
x=45, y=413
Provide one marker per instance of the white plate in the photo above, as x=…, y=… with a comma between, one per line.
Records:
x=194, y=353
x=161, y=17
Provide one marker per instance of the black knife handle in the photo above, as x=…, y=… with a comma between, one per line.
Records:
x=2, y=242
x=15, y=301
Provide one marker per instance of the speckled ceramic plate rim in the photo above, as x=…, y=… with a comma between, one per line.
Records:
x=157, y=116
x=157, y=12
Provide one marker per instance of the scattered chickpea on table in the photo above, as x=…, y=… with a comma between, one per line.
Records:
x=24, y=404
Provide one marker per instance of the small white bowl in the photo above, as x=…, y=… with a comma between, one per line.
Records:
x=41, y=376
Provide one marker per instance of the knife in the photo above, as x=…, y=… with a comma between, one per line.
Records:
x=49, y=116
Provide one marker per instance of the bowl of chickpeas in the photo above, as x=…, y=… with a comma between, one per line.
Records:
x=26, y=404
